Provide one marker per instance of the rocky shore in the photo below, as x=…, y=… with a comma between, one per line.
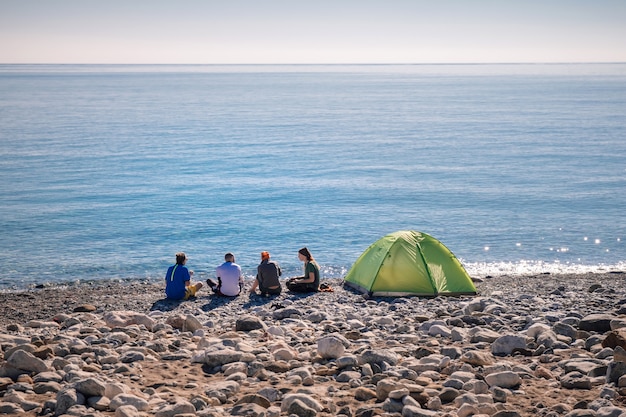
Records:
x=547, y=345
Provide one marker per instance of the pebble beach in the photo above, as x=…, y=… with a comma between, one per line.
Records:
x=544, y=345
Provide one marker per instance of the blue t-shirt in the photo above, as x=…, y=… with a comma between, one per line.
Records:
x=175, y=279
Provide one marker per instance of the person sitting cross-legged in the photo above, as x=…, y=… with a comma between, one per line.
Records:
x=178, y=285
x=267, y=275
x=229, y=278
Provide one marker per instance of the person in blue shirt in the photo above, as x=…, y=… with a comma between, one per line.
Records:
x=178, y=285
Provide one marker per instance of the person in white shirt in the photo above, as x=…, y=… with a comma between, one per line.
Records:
x=229, y=278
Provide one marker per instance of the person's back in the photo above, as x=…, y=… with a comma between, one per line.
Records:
x=268, y=271
x=178, y=283
x=230, y=279
x=175, y=280
x=267, y=276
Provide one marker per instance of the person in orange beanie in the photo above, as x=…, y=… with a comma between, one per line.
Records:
x=267, y=276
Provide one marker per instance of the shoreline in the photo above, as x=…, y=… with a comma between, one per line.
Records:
x=143, y=296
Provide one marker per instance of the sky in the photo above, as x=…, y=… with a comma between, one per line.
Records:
x=311, y=31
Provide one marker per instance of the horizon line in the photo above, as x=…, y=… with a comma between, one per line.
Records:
x=326, y=63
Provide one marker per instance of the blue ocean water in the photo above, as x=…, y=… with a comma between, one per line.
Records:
x=108, y=171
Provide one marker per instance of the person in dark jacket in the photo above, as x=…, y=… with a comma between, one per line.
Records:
x=267, y=276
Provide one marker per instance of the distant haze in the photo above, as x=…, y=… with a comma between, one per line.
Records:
x=320, y=31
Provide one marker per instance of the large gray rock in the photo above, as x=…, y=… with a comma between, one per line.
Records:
x=615, y=338
x=221, y=357
x=129, y=399
x=576, y=380
x=10, y=409
x=478, y=335
x=600, y=323
x=564, y=329
x=505, y=345
x=127, y=318
x=300, y=409
x=615, y=371
x=306, y=399
x=330, y=347
x=91, y=387
x=248, y=323
x=506, y=379
x=181, y=407
x=379, y=356
x=191, y=324
x=26, y=361
x=66, y=399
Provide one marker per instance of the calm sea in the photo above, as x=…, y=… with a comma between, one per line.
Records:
x=107, y=171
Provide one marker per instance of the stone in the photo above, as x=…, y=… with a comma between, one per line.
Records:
x=307, y=400
x=600, y=323
x=288, y=312
x=91, y=387
x=347, y=376
x=330, y=347
x=506, y=379
x=132, y=356
x=112, y=389
x=615, y=338
x=564, y=329
x=505, y=345
x=121, y=400
x=66, y=399
x=42, y=324
x=5, y=383
x=11, y=409
x=98, y=403
x=127, y=411
x=576, y=380
x=448, y=394
x=254, y=399
x=300, y=409
x=26, y=361
x=248, y=410
x=364, y=394
x=619, y=354
x=379, y=356
x=413, y=411
x=385, y=386
x=507, y=413
x=478, y=335
x=191, y=323
x=478, y=358
x=248, y=323
x=346, y=361
x=221, y=357
x=85, y=308
x=180, y=407
x=439, y=330
x=615, y=371
x=127, y=318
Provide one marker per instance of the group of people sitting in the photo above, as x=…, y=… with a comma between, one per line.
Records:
x=229, y=279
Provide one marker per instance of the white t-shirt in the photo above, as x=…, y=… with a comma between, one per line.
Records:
x=230, y=275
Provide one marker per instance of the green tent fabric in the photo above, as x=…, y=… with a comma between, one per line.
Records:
x=409, y=263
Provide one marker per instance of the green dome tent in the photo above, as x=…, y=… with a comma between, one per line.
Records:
x=409, y=263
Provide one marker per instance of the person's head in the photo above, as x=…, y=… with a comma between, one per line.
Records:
x=181, y=258
x=305, y=255
x=265, y=255
x=229, y=257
